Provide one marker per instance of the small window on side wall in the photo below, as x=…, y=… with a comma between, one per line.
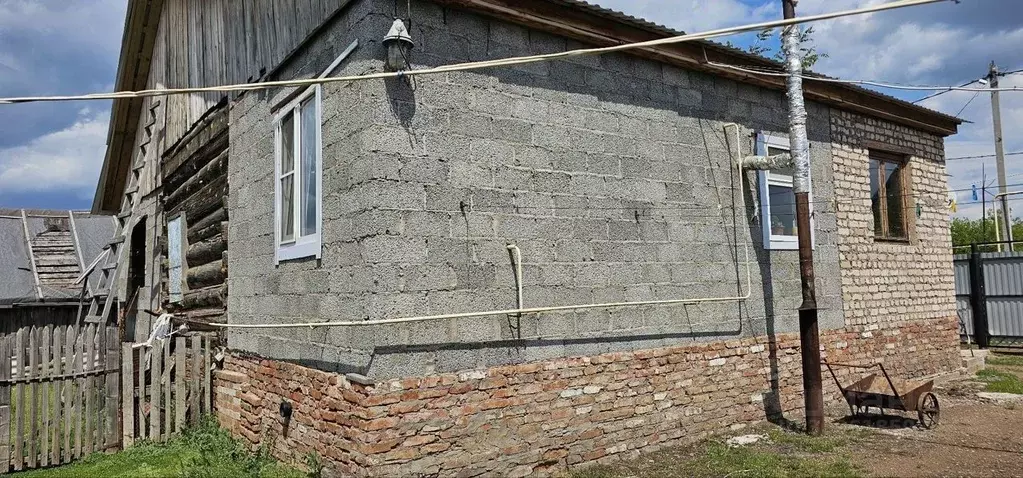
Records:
x=777, y=197
x=175, y=258
x=297, y=196
x=888, y=192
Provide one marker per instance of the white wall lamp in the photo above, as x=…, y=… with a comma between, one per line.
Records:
x=399, y=46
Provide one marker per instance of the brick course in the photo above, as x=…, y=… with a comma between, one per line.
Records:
x=540, y=417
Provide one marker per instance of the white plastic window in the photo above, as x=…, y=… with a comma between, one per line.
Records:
x=777, y=198
x=298, y=166
x=175, y=254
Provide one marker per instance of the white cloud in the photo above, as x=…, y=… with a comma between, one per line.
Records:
x=65, y=160
x=696, y=15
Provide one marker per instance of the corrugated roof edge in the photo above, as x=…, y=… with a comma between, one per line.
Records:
x=764, y=61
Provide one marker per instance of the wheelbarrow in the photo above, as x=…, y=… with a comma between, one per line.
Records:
x=884, y=392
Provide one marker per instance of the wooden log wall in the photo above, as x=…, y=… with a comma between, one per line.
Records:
x=195, y=186
x=217, y=42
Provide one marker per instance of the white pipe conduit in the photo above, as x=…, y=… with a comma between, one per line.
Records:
x=517, y=257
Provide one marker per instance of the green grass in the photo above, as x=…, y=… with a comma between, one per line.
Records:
x=783, y=455
x=205, y=451
x=1005, y=360
x=1002, y=382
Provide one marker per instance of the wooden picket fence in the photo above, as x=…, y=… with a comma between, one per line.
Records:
x=164, y=388
x=58, y=394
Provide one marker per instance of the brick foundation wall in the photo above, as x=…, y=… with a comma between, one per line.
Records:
x=536, y=418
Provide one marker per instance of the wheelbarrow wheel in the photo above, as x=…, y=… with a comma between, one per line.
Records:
x=928, y=411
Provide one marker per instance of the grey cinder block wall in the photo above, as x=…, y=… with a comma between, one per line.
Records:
x=612, y=174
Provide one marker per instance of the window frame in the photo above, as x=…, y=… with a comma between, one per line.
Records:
x=902, y=163
x=309, y=245
x=182, y=266
x=765, y=179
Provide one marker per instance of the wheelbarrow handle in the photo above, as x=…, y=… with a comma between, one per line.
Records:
x=849, y=365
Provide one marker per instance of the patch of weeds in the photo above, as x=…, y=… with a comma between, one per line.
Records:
x=806, y=443
x=595, y=471
x=202, y=451
x=1001, y=382
x=720, y=460
x=1005, y=360
x=784, y=454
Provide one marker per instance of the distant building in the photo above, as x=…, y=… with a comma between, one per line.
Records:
x=42, y=253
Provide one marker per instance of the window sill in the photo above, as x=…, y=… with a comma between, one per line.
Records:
x=308, y=246
x=892, y=240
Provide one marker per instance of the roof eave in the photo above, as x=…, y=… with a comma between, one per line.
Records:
x=602, y=27
x=141, y=22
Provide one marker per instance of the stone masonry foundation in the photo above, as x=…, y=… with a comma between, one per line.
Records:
x=538, y=418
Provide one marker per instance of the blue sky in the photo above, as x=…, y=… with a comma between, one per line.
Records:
x=50, y=154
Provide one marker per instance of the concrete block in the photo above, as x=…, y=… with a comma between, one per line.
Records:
x=462, y=174
x=394, y=249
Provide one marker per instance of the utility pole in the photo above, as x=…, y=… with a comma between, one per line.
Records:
x=996, y=114
x=809, y=336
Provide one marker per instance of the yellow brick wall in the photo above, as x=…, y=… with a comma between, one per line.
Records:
x=891, y=281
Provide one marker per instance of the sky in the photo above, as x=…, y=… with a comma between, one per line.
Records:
x=51, y=153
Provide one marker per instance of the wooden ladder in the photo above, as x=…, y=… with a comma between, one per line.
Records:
x=102, y=300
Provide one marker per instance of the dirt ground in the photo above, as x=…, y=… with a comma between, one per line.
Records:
x=975, y=437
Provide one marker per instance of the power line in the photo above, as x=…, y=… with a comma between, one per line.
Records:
x=474, y=65
x=895, y=86
x=967, y=104
x=980, y=156
x=943, y=92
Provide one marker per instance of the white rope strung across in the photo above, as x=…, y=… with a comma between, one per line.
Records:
x=475, y=65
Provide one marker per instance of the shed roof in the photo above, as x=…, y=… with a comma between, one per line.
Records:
x=42, y=252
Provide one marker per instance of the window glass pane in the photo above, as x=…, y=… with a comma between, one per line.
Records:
x=771, y=151
x=287, y=209
x=174, y=259
x=894, y=202
x=310, y=146
x=783, y=211
x=875, y=199
x=287, y=144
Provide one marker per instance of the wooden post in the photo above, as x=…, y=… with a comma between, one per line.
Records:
x=194, y=388
x=5, y=403
x=156, y=359
x=90, y=388
x=127, y=395
x=179, y=383
x=80, y=386
x=207, y=392
x=113, y=429
x=44, y=373
x=33, y=389
x=168, y=364
x=68, y=385
x=57, y=353
x=19, y=401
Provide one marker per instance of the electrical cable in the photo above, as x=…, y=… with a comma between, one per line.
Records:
x=945, y=91
x=475, y=65
x=879, y=84
x=1014, y=153
x=967, y=104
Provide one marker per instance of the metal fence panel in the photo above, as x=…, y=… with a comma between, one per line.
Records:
x=1003, y=284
